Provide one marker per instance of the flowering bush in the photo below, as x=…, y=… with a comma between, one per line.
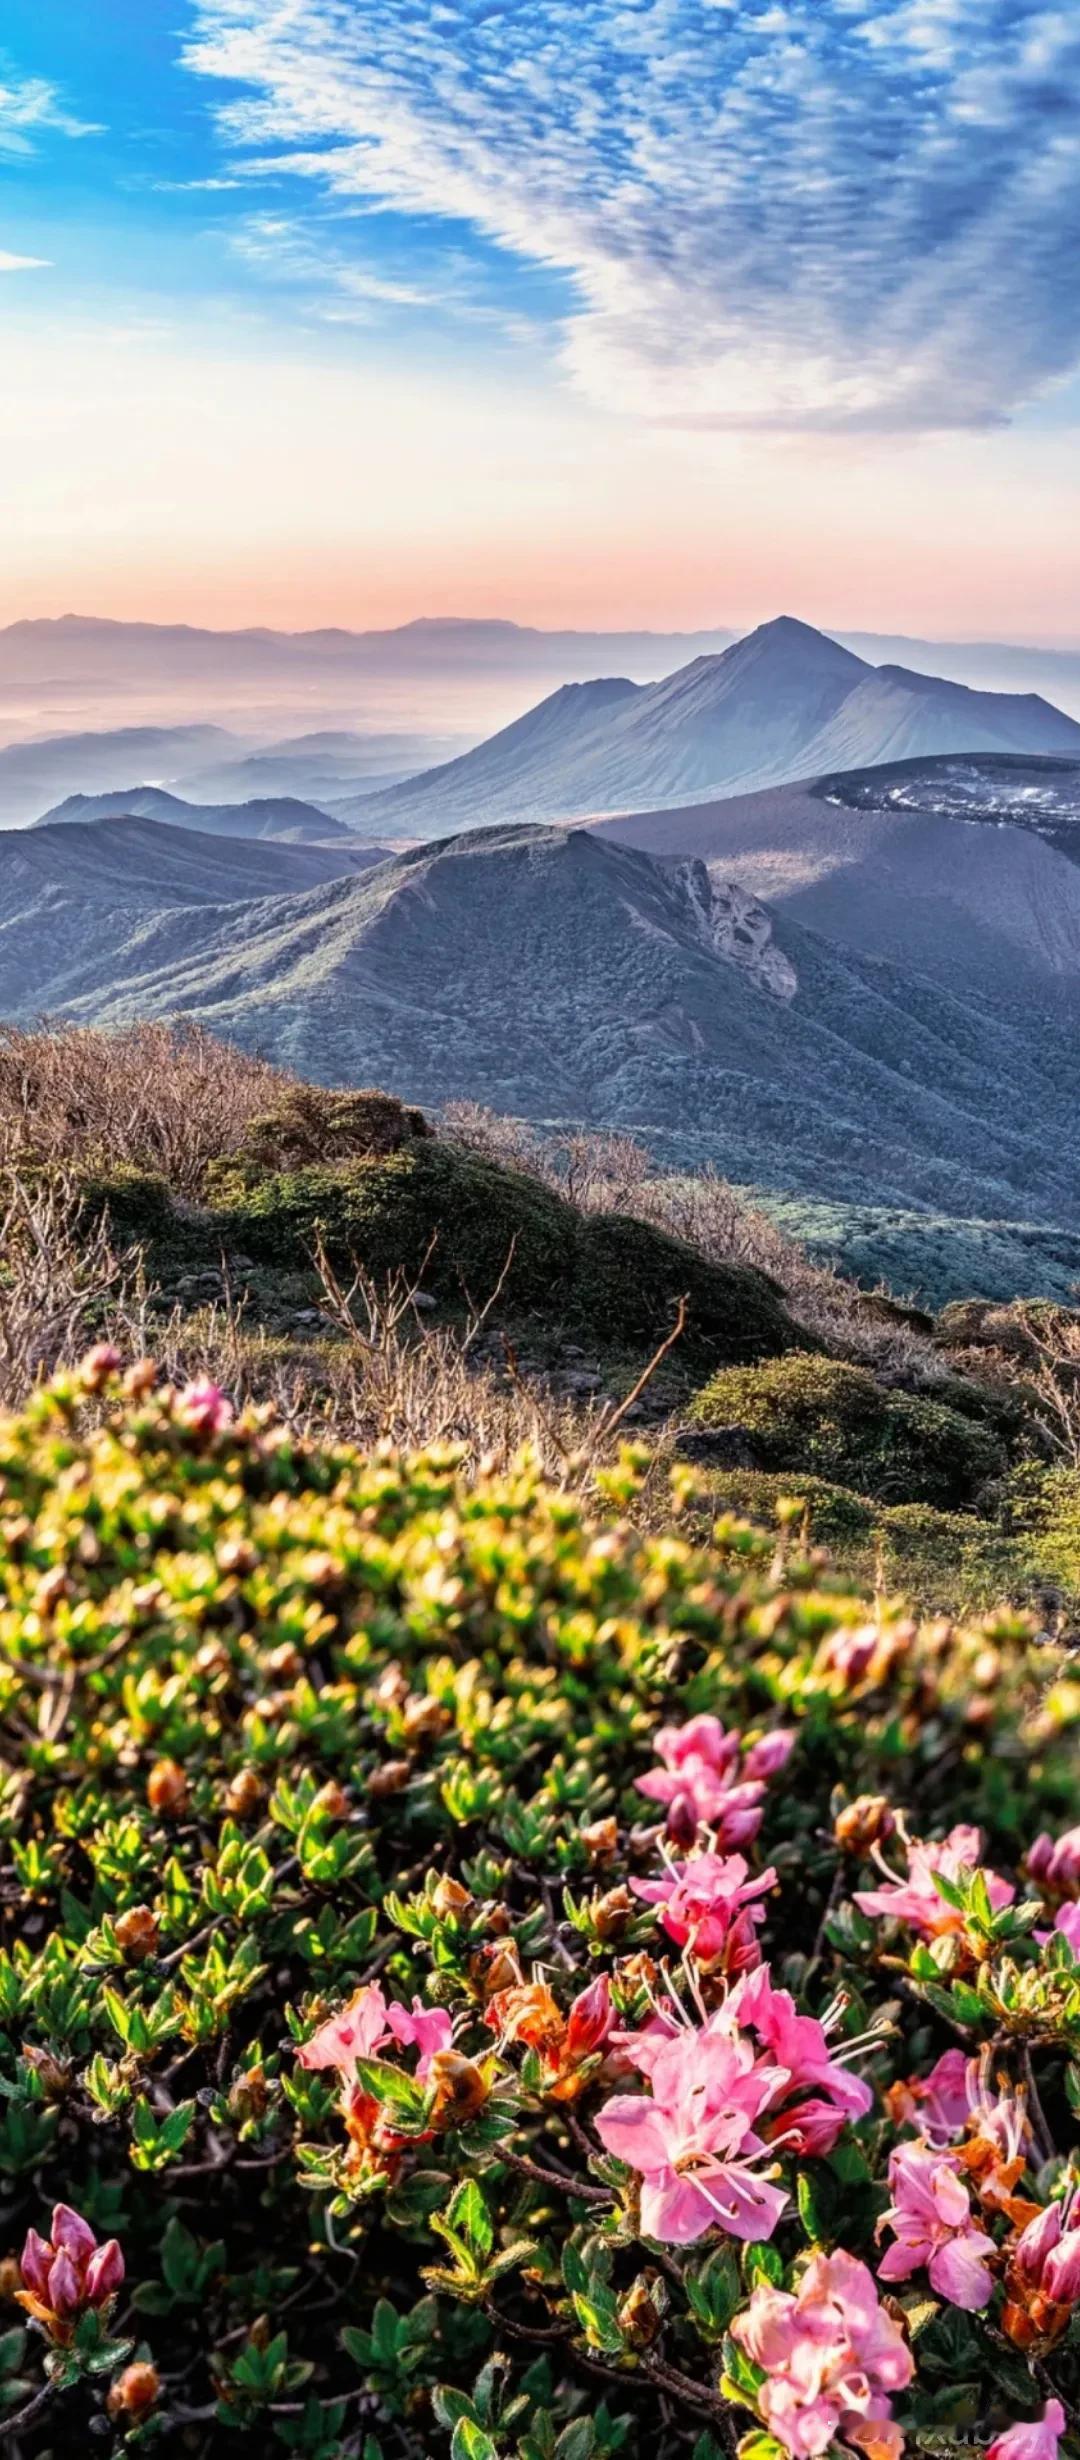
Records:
x=483, y=1979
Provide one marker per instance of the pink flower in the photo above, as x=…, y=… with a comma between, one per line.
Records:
x=1046, y=2256
x=427, y=2029
x=204, y=1408
x=931, y=2216
x=67, y=2272
x=366, y=2024
x=589, y=2021
x=767, y=1757
x=707, y=1784
x=1055, y=1863
x=800, y=2045
x=916, y=1901
x=831, y=2359
x=939, y=2104
x=1037, y=2441
x=693, y=2140
x=708, y=1906
x=1067, y=1927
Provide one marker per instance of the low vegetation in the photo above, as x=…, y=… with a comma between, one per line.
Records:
x=485, y=1980
x=513, y=1943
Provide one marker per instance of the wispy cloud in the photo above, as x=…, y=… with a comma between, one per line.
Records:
x=798, y=213
x=29, y=108
x=21, y=264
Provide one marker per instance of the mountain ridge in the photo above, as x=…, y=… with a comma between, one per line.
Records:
x=782, y=703
x=554, y=974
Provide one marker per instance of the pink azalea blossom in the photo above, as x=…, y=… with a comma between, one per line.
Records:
x=693, y=2140
x=67, y=2272
x=367, y=2023
x=708, y=1905
x=589, y=2021
x=916, y=1901
x=1055, y=1863
x=1037, y=2441
x=938, y=2104
x=708, y=1781
x=767, y=1757
x=799, y=2044
x=931, y=2216
x=1046, y=2256
x=1067, y=1927
x=204, y=1408
x=831, y=2357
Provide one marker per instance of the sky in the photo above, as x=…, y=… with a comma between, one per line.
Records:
x=589, y=312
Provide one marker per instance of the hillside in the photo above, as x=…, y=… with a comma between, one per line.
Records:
x=939, y=866
x=79, y=893
x=556, y=975
x=277, y=816
x=784, y=703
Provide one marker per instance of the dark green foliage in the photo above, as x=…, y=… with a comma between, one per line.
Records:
x=818, y=1414
x=618, y=1278
x=385, y=1213
x=313, y=1125
x=946, y=1562
x=629, y=1278
x=139, y=1205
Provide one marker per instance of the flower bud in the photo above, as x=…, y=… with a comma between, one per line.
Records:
x=331, y=1801
x=600, y=1838
x=99, y=1364
x=461, y=2087
x=590, y=2019
x=167, y=1789
x=389, y=1779
x=612, y=1912
x=54, y=2075
x=134, y=2392
x=140, y=1379
x=863, y=1823
x=424, y=1719
x=243, y=1794
x=10, y=2279
x=236, y=1556
x=449, y=1898
x=137, y=1932
x=642, y=2311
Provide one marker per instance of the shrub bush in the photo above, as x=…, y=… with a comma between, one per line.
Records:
x=399, y=2087
x=833, y=1420
x=629, y=1278
x=386, y=1213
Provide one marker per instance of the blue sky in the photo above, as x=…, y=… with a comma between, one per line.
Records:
x=693, y=238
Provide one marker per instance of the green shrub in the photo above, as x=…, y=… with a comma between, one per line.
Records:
x=386, y=1214
x=139, y=1205
x=311, y=1124
x=945, y=1562
x=284, y=1724
x=832, y=1420
x=629, y=1277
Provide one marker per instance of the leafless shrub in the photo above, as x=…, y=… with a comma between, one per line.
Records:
x=59, y=1278
x=1054, y=1376
x=162, y=1097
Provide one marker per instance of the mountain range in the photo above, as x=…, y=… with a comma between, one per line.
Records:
x=277, y=816
x=787, y=702
x=562, y=976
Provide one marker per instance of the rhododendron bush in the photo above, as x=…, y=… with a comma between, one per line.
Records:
x=481, y=1977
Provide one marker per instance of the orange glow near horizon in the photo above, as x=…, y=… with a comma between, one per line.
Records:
x=308, y=495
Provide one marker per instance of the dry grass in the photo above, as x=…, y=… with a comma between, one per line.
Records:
x=60, y=1281
x=161, y=1097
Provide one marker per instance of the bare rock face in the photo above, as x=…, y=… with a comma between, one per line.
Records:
x=737, y=928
